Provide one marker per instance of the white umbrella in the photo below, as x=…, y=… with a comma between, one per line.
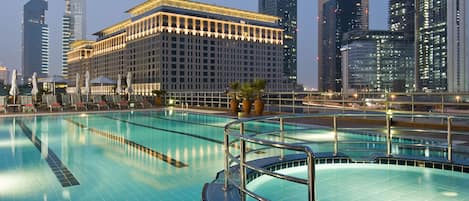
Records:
x=34, y=90
x=14, y=87
x=77, y=84
x=129, y=89
x=87, y=89
x=119, y=84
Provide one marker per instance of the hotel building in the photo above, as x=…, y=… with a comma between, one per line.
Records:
x=35, y=39
x=3, y=75
x=185, y=46
x=287, y=12
x=73, y=27
x=441, y=46
x=336, y=17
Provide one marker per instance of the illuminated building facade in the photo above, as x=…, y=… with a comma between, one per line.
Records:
x=286, y=10
x=336, y=17
x=73, y=27
x=35, y=39
x=441, y=46
x=187, y=46
x=3, y=75
x=377, y=61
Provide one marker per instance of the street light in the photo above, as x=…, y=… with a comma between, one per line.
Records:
x=458, y=98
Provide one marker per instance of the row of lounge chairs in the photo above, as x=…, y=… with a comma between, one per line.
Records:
x=76, y=102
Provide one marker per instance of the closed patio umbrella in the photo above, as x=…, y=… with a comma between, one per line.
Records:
x=77, y=84
x=119, y=84
x=87, y=89
x=129, y=89
x=14, y=87
x=34, y=90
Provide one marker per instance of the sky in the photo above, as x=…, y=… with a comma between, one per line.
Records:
x=102, y=13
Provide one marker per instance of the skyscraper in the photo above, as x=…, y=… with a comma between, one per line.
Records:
x=440, y=45
x=402, y=17
x=377, y=61
x=286, y=10
x=336, y=17
x=35, y=39
x=73, y=27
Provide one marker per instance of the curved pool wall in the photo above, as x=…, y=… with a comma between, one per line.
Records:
x=214, y=191
x=344, y=182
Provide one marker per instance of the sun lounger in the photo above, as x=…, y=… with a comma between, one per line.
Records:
x=27, y=104
x=99, y=102
x=52, y=103
x=66, y=102
x=140, y=101
x=119, y=102
x=3, y=104
x=77, y=103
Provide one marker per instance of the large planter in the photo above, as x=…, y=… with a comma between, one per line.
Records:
x=247, y=106
x=258, y=107
x=158, y=101
x=234, y=106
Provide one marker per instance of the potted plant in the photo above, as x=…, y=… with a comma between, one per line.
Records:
x=234, y=89
x=159, y=94
x=259, y=86
x=247, y=93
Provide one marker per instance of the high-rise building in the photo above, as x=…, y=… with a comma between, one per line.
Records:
x=440, y=45
x=402, y=17
x=3, y=75
x=336, y=17
x=73, y=27
x=181, y=45
x=377, y=61
x=35, y=39
x=286, y=10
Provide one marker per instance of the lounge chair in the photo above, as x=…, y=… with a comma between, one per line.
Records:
x=52, y=103
x=27, y=104
x=99, y=102
x=140, y=101
x=66, y=102
x=77, y=103
x=119, y=102
x=3, y=104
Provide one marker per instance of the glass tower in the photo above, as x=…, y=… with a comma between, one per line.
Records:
x=336, y=17
x=286, y=10
x=73, y=27
x=35, y=39
x=440, y=45
x=377, y=61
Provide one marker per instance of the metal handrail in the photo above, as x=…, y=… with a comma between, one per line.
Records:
x=243, y=164
x=242, y=138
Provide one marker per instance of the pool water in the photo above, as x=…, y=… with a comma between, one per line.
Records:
x=344, y=182
x=147, y=155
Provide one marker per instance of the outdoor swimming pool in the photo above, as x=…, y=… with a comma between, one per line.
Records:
x=145, y=155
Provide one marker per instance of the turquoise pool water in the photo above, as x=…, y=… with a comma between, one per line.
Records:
x=344, y=182
x=151, y=155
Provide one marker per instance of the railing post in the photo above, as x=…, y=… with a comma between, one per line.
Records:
x=293, y=102
x=412, y=105
x=226, y=146
x=442, y=104
x=242, y=162
x=450, y=139
x=311, y=177
x=282, y=137
x=336, y=137
x=388, y=134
